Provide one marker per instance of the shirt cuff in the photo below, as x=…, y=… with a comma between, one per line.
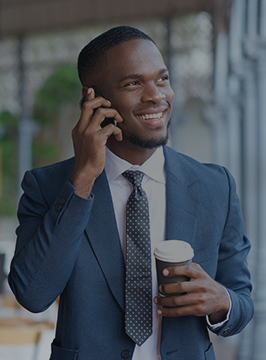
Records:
x=90, y=197
x=220, y=324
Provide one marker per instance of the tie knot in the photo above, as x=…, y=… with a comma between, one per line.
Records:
x=134, y=176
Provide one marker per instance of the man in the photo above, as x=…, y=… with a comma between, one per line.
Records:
x=72, y=233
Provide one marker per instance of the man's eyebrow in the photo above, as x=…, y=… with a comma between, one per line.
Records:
x=131, y=76
x=138, y=76
x=163, y=71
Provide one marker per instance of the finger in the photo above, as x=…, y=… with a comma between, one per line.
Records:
x=181, y=311
x=191, y=271
x=90, y=104
x=97, y=102
x=188, y=304
x=90, y=94
x=102, y=113
x=179, y=287
x=183, y=299
x=111, y=129
x=84, y=98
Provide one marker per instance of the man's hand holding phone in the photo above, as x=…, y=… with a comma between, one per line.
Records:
x=89, y=140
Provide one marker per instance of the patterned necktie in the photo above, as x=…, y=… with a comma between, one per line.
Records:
x=138, y=287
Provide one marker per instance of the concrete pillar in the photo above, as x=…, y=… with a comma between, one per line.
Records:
x=220, y=91
x=25, y=126
x=259, y=348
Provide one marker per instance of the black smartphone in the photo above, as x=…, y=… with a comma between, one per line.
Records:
x=106, y=121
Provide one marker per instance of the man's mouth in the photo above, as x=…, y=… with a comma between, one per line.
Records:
x=150, y=116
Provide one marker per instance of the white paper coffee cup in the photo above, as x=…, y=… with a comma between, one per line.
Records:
x=172, y=253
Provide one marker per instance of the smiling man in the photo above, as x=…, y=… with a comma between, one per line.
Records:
x=77, y=225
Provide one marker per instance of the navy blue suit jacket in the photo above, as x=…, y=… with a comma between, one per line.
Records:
x=69, y=246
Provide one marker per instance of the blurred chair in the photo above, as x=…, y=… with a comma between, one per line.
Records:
x=20, y=331
x=9, y=301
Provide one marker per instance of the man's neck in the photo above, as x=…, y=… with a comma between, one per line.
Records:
x=133, y=154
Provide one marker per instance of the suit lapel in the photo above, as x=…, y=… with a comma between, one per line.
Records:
x=181, y=219
x=181, y=202
x=104, y=238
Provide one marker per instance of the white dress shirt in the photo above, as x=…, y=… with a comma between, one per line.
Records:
x=153, y=184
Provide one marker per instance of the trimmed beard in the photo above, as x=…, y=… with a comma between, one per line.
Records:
x=146, y=144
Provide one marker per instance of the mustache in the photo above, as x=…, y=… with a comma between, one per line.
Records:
x=159, y=106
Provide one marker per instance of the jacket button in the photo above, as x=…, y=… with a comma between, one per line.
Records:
x=125, y=354
x=58, y=207
x=62, y=201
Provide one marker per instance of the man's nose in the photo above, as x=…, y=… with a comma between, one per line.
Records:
x=152, y=93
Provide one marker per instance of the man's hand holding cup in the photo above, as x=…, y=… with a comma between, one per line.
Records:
x=184, y=287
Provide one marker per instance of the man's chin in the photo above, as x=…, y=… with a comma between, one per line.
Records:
x=144, y=143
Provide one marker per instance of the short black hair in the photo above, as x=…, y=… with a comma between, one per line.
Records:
x=94, y=53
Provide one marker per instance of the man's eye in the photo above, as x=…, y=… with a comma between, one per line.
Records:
x=164, y=78
x=132, y=83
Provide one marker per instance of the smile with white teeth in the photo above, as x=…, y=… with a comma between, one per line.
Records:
x=150, y=116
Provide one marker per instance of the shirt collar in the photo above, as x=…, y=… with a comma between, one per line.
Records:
x=153, y=167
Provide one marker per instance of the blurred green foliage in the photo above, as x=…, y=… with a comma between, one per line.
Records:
x=60, y=88
x=8, y=171
x=44, y=153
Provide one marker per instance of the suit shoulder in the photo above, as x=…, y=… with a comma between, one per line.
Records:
x=58, y=169
x=50, y=178
x=47, y=181
x=207, y=173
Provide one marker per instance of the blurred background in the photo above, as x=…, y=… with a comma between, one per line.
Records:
x=216, y=53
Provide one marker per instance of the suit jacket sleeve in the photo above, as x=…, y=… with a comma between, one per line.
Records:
x=48, y=239
x=232, y=269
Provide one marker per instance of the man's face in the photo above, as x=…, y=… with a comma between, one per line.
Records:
x=136, y=81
